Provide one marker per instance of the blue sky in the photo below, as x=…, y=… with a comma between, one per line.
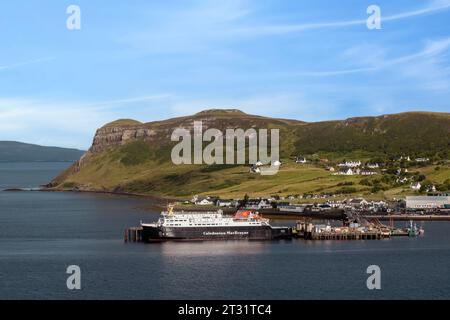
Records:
x=151, y=60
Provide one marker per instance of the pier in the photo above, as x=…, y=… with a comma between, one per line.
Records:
x=309, y=231
x=133, y=234
x=346, y=236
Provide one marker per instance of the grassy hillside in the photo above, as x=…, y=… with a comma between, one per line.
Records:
x=128, y=156
x=410, y=133
x=24, y=152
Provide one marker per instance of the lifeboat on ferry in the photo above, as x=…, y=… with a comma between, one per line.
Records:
x=247, y=214
x=242, y=214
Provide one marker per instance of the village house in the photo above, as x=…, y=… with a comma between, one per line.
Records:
x=204, y=201
x=367, y=173
x=377, y=206
x=335, y=204
x=300, y=160
x=256, y=204
x=372, y=165
x=416, y=186
x=422, y=159
x=347, y=172
x=225, y=203
x=350, y=164
x=401, y=180
x=255, y=169
x=358, y=203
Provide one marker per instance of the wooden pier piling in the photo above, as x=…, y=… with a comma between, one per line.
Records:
x=133, y=234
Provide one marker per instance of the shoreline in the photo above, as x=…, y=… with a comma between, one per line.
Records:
x=407, y=217
x=159, y=199
x=161, y=202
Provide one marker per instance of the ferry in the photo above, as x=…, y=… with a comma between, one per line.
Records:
x=212, y=225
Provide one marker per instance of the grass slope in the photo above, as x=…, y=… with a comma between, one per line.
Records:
x=145, y=167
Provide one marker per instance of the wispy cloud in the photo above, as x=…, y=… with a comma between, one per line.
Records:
x=434, y=7
x=25, y=63
x=431, y=49
x=108, y=104
x=209, y=25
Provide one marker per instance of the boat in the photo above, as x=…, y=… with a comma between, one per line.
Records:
x=212, y=225
x=414, y=231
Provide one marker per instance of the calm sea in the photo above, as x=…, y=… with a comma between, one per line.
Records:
x=42, y=233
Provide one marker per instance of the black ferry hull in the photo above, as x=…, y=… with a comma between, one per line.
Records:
x=154, y=233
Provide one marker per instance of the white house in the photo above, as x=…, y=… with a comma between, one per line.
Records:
x=301, y=160
x=402, y=180
x=373, y=165
x=347, y=172
x=350, y=164
x=258, y=204
x=416, y=186
x=422, y=159
x=277, y=163
x=367, y=173
x=224, y=203
x=358, y=202
x=204, y=202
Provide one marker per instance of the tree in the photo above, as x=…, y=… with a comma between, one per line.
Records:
x=376, y=188
x=420, y=177
x=426, y=184
x=244, y=202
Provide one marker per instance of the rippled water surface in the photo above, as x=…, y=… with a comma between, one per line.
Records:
x=41, y=233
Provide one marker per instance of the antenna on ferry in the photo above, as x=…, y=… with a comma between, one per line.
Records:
x=170, y=209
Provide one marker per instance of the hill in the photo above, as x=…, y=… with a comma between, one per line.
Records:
x=129, y=156
x=13, y=151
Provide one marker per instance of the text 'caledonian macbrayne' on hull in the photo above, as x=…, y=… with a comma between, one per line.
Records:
x=244, y=225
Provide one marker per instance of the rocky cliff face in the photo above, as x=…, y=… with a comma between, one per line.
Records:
x=117, y=133
x=112, y=136
x=121, y=132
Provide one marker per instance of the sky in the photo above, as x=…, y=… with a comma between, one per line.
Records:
x=152, y=60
